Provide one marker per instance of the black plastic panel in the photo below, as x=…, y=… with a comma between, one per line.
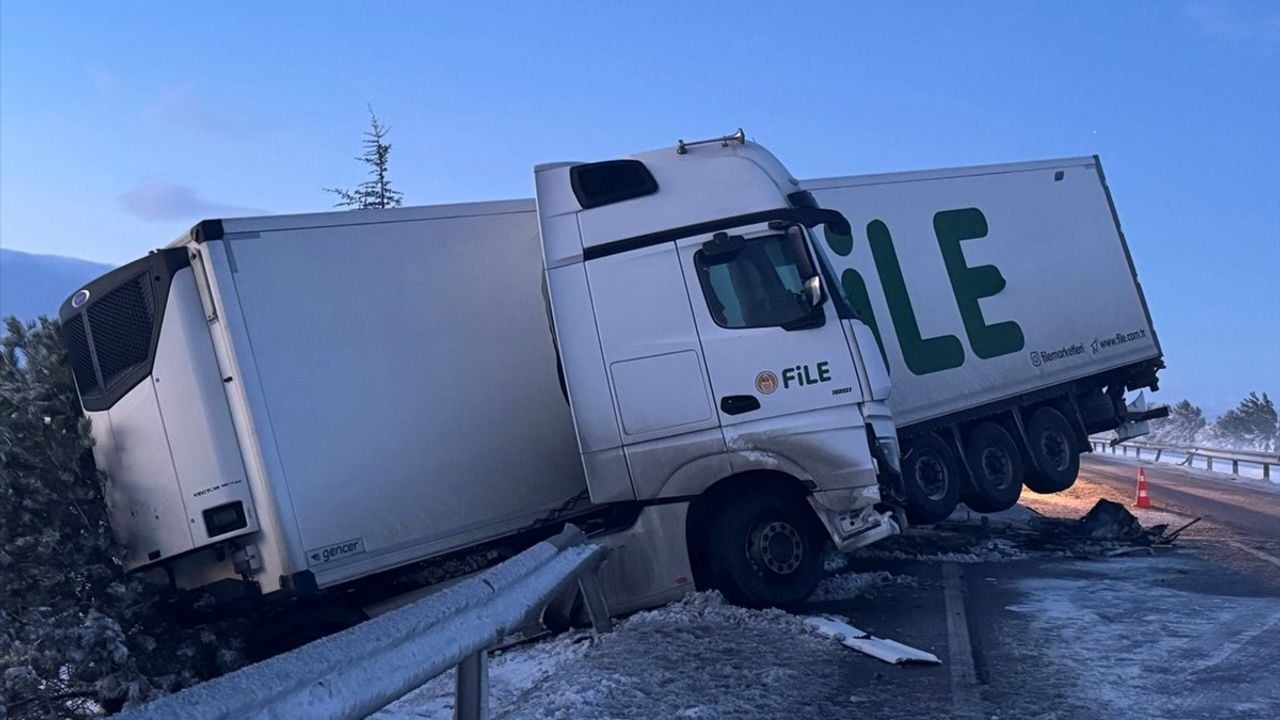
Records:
x=605, y=183
x=111, y=326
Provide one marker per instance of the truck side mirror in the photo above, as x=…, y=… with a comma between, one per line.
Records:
x=813, y=288
x=798, y=238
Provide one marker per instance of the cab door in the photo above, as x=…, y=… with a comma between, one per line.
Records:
x=783, y=380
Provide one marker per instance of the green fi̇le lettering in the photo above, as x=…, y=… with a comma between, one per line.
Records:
x=922, y=355
x=971, y=284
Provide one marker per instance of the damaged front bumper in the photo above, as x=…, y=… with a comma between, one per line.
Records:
x=858, y=523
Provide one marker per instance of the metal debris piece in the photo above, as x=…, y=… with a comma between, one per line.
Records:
x=1170, y=537
x=890, y=651
x=1110, y=521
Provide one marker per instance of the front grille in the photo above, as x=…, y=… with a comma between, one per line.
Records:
x=78, y=352
x=122, y=322
x=111, y=326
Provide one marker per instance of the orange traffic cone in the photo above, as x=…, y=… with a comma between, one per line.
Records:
x=1143, y=500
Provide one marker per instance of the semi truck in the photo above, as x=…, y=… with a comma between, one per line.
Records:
x=715, y=367
x=1006, y=303
x=288, y=405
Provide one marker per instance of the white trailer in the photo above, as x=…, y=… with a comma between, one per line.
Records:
x=1008, y=308
x=346, y=388
x=289, y=404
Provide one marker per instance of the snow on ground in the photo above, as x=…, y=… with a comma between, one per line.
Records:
x=696, y=658
x=511, y=673
x=984, y=550
x=834, y=561
x=850, y=585
x=699, y=657
x=1130, y=640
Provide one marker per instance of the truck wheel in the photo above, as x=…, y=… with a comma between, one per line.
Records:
x=765, y=550
x=930, y=479
x=1054, y=450
x=996, y=468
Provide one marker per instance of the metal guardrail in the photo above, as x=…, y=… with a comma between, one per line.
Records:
x=1236, y=457
x=356, y=672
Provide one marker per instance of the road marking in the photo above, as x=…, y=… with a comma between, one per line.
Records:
x=1255, y=552
x=1228, y=648
x=964, y=678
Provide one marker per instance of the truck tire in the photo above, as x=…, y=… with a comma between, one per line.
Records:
x=930, y=479
x=996, y=467
x=1055, y=452
x=765, y=549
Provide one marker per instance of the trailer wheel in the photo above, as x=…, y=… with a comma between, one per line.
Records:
x=765, y=549
x=996, y=468
x=930, y=479
x=1054, y=450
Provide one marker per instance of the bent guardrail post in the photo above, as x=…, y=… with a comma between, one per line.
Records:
x=593, y=596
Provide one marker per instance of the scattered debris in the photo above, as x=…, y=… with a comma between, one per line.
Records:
x=1174, y=535
x=1108, y=529
x=1110, y=521
x=890, y=651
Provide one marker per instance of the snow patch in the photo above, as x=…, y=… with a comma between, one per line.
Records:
x=850, y=585
x=511, y=673
x=834, y=561
x=989, y=550
x=696, y=658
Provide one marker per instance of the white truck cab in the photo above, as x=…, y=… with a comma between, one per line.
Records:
x=715, y=373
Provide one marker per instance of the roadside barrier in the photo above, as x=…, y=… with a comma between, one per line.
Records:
x=1143, y=499
x=356, y=672
x=1152, y=451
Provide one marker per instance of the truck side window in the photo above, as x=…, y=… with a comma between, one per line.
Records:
x=758, y=286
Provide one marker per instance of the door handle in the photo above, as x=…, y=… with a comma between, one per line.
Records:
x=738, y=404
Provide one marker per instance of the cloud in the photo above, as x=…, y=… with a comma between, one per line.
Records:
x=1236, y=23
x=190, y=112
x=156, y=200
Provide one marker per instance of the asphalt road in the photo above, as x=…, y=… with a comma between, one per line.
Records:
x=1191, y=633
x=1240, y=524
x=1247, y=510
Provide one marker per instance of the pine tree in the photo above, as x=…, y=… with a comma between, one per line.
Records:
x=1182, y=427
x=76, y=633
x=1250, y=425
x=375, y=192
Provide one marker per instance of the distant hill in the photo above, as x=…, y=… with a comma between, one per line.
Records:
x=34, y=285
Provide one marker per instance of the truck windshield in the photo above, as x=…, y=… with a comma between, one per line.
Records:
x=757, y=286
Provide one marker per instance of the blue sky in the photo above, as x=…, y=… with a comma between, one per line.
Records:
x=121, y=124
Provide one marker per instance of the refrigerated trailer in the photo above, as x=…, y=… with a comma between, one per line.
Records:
x=1007, y=306
x=289, y=404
